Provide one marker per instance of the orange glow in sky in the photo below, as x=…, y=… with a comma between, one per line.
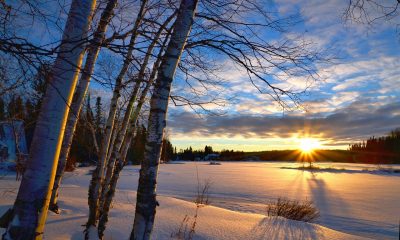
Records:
x=307, y=145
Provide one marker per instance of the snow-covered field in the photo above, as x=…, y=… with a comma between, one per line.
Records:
x=353, y=204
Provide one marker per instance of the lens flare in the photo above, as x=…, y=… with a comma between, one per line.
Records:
x=308, y=145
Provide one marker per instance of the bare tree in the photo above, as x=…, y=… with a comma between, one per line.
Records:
x=98, y=173
x=31, y=206
x=146, y=197
x=79, y=97
x=118, y=158
x=220, y=27
x=372, y=12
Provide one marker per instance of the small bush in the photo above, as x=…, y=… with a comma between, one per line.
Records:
x=202, y=197
x=187, y=228
x=292, y=209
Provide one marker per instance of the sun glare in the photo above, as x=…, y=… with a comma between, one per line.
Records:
x=307, y=145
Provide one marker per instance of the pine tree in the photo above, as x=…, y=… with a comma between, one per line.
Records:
x=136, y=150
x=2, y=110
x=30, y=121
x=16, y=108
x=208, y=150
x=39, y=84
x=89, y=112
x=167, y=152
x=98, y=114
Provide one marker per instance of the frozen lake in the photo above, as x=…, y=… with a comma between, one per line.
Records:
x=350, y=200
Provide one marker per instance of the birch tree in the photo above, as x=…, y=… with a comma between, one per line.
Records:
x=146, y=194
x=119, y=157
x=128, y=113
x=98, y=173
x=30, y=208
x=78, y=98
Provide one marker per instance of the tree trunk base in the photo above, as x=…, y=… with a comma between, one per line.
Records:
x=54, y=208
x=6, y=218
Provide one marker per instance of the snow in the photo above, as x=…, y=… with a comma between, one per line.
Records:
x=353, y=205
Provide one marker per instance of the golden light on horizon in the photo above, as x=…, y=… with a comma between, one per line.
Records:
x=308, y=145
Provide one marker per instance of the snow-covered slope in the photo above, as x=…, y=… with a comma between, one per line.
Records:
x=212, y=222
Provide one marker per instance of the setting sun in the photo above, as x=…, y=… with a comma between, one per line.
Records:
x=308, y=145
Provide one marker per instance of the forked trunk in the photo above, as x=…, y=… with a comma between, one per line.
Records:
x=98, y=173
x=119, y=158
x=79, y=97
x=146, y=194
x=31, y=206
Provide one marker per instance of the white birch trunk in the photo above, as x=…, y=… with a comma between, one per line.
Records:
x=98, y=173
x=121, y=136
x=31, y=206
x=146, y=194
x=79, y=97
x=120, y=157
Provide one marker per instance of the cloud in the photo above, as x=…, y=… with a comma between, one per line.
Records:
x=363, y=118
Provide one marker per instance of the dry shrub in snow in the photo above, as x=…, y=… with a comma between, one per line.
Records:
x=291, y=209
x=202, y=197
x=187, y=227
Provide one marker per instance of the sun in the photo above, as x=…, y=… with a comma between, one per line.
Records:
x=308, y=145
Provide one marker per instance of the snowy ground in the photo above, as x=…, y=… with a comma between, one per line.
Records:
x=353, y=203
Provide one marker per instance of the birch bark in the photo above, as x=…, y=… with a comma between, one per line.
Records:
x=31, y=206
x=79, y=97
x=120, y=156
x=146, y=194
x=98, y=173
x=121, y=136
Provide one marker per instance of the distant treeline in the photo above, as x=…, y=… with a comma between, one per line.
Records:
x=384, y=147
x=379, y=150
x=297, y=156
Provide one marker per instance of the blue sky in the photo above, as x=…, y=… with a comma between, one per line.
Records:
x=357, y=95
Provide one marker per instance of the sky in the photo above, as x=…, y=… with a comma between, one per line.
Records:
x=357, y=95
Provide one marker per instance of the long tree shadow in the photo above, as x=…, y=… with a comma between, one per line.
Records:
x=64, y=219
x=380, y=172
x=319, y=192
x=280, y=228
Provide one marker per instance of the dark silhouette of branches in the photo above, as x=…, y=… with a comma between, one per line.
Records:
x=372, y=12
x=223, y=31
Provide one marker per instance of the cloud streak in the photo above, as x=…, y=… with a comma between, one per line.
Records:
x=361, y=119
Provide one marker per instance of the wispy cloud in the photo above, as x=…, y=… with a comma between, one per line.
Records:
x=362, y=118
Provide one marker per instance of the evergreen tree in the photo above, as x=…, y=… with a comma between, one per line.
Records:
x=167, y=151
x=381, y=149
x=2, y=110
x=30, y=120
x=82, y=148
x=208, y=150
x=136, y=150
x=16, y=108
x=98, y=119
x=99, y=111
x=39, y=84
x=89, y=112
x=33, y=104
